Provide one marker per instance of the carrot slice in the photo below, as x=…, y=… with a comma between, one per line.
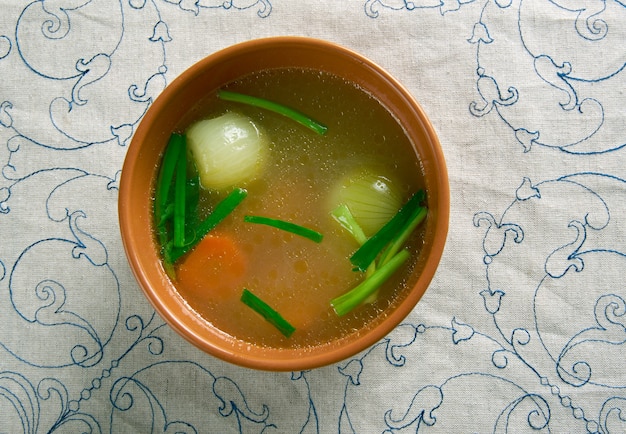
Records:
x=213, y=270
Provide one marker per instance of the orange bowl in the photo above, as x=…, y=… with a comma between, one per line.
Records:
x=143, y=157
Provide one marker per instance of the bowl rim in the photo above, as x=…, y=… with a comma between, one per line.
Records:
x=275, y=359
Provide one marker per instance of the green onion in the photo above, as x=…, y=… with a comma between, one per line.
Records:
x=163, y=237
x=180, y=185
x=166, y=214
x=267, y=312
x=347, y=221
x=220, y=212
x=368, y=252
x=353, y=298
x=285, y=226
x=288, y=112
x=192, y=201
x=344, y=216
x=419, y=215
x=166, y=175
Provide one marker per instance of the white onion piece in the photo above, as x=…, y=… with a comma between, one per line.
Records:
x=227, y=150
x=373, y=199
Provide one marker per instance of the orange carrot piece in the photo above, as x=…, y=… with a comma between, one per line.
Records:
x=214, y=269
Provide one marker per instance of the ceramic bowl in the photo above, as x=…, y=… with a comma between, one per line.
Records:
x=145, y=151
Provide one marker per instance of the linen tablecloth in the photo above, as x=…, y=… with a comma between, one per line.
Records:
x=523, y=327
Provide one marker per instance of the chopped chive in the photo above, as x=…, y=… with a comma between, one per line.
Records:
x=281, y=109
x=267, y=312
x=179, y=198
x=166, y=175
x=285, y=226
x=368, y=252
x=353, y=298
x=419, y=215
x=220, y=212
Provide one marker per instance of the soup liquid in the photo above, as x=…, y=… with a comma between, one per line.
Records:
x=294, y=275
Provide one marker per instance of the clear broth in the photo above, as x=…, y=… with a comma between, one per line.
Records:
x=296, y=276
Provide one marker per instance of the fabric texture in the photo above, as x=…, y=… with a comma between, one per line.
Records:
x=523, y=328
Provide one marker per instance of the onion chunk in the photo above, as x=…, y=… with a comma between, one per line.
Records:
x=227, y=150
x=371, y=198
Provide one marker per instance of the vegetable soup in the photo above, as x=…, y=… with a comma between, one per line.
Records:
x=289, y=205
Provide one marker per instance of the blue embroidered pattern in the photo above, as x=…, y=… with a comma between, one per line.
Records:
x=512, y=367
